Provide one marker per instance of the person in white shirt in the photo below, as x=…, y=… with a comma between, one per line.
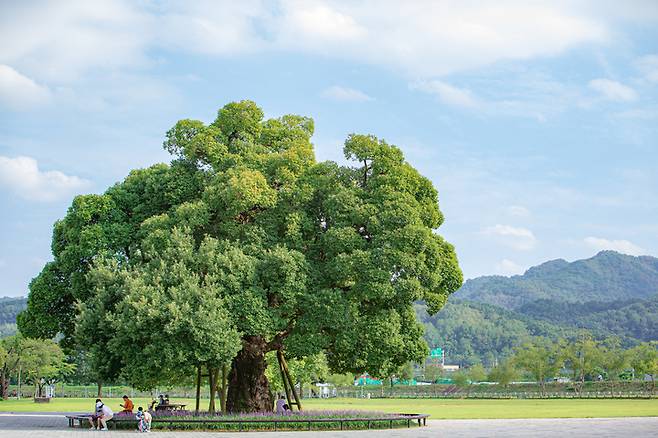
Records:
x=106, y=415
x=97, y=414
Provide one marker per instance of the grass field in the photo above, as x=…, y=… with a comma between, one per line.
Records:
x=465, y=409
x=437, y=408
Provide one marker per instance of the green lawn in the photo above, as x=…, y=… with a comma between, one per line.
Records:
x=437, y=408
x=463, y=409
x=75, y=404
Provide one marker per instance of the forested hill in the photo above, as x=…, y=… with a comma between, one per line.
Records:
x=610, y=294
x=608, y=276
x=9, y=308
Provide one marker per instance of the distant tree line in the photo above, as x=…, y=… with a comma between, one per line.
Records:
x=579, y=359
x=473, y=332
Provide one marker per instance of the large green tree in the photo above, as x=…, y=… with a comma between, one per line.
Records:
x=296, y=256
x=43, y=363
x=583, y=357
x=644, y=360
x=541, y=357
x=37, y=361
x=10, y=356
x=504, y=373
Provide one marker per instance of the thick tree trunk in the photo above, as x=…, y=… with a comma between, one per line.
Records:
x=100, y=390
x=248, y=388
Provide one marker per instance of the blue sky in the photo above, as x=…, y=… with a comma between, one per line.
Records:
x=537, y=122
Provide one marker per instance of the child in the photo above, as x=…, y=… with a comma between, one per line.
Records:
x=144, y=418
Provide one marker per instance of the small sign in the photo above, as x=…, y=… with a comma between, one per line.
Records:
x=436, y=352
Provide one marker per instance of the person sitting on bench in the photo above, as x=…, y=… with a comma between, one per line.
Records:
x=97, y=413
x=127, y=405
x=106, y=415
x=103, y=414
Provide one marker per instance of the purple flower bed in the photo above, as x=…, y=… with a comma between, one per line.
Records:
x=122, y=414
x=329, y=414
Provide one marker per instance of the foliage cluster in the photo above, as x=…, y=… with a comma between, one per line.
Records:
x=37, y=362
x=585, y=358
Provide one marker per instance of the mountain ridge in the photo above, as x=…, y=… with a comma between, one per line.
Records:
x=609, y=294
x=607, y=276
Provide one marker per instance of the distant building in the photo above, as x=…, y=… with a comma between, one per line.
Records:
x=450, y=368
x=325, y=390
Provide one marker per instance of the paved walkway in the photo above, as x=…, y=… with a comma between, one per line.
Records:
x=50, y=425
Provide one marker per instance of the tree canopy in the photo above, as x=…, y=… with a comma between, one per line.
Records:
x=244, y=245
x=39, y=361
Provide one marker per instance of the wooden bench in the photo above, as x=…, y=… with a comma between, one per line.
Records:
x=80, y=418
x=170, y=407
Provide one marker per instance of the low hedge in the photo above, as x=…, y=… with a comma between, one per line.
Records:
x=304, y=420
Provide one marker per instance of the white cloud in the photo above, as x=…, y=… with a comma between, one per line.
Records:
x=506, y=92
x=22, y=176
x=426, y=39
x=448, y=94
x=518, y=211
x=319, y=22
x=648, y=65
x=60, y=41
x=508, y=267
x=613, y=90
x=345, y=94
x=209, y=27
x=20, y=92
x=515, y=237
x=623, y=246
